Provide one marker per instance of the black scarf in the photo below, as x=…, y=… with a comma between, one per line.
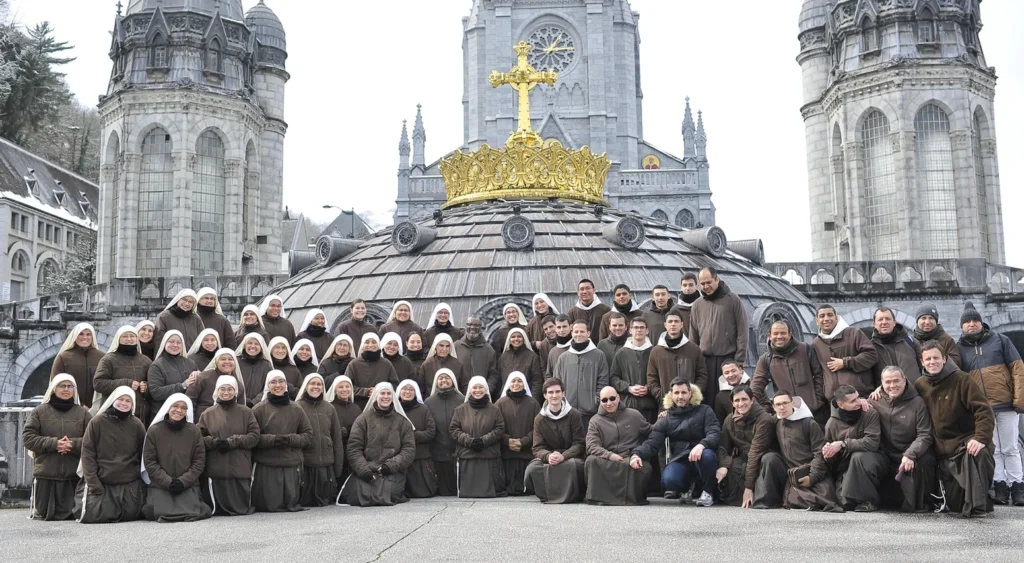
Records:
x=127, y=349
x=719, y=293
x=208, y=354
x=279, y=399
x=580, y=346
x=307, y=397
x=389, y=357
x=316, y=331
x=251, y=359
x=148, y=348
x=689, y=298
x=925, y=336
x=673, y=342
x=179, y=312
x=898, y=333
x=785, y=350
x=619, y=340
x=380, y=411
x=300, y=363
x=371, y=356
x=409, y=404
x=976, y=338
x=445, y=327
x=206, y=309
x=624, y=309
x=416, y=355
x=479, y=403
x=176, y=426
x=118, y=414
x=516, y=394
x=947, y=370
x=668, y=307
x=849, y=417
x=444, y=392
x=343, y=364
x=563, y=340
x=63, y=405
x=227, y=404
x=280, y=363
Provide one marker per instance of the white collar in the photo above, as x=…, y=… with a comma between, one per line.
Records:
x=590, y=346
x=839, y=328
x=629, y=344
x=594, y=303
x=723, y=385
x=546, y=411
x=664, y=336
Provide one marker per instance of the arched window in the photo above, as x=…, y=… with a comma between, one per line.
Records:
x=881, y=200
x=685, y=219
x=870, y=36
x=156, y=181
x=208, y=188
x=980, y=181
x=19, y=275
x=659, y=215
x=936, y=192
x=926, y=27
x=19, y=263
x=213, y=56
x=158, y=57
x=47, y=270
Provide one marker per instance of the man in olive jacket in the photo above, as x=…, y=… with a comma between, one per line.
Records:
x=719, y=325
x=791, y=365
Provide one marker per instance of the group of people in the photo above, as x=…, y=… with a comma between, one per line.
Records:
x=186, y=418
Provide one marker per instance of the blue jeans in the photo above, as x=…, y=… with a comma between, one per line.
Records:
x=680, y=474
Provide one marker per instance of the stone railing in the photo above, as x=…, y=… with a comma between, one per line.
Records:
x=656, y=181
x=427, y=185
x=966, y=276
x=137, y=295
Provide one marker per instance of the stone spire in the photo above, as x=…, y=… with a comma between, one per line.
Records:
x=419, y=139
x=689, y=141
x=403, y=147
x=702, y=138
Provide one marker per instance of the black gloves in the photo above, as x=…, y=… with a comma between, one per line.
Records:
x=176, y=486
x=281, y=440
x=223, y=446
x=477, y=445
x=385, y=470
x=368, y=476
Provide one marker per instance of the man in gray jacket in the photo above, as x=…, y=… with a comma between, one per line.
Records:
x=584, y=371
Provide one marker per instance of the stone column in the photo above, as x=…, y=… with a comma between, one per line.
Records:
x=968, y=226
x=842, y=218
x=852, y=151
x=129, y=264
x=597, y=57
x=904, y=152
x=184, y=162
x=997, y=250
x=505, y=107
x=233, y=195
x=106, y=245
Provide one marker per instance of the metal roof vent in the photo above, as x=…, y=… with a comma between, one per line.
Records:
x=408, y=237
x=331, y=248
x=627, y=232
x=710, y=240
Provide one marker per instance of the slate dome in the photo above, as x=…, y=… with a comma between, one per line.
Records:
x=480, y=256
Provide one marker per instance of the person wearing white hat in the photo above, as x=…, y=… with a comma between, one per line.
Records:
x=180, y=315
x=209, y=311
x=442, y=355
x=369, y=369
x=380, y=450
x=392, y=351
x=477, y=428
x=251, y=322
x=275, y=319
x=283, y=360
x=146, y=331
x=305, y=357
x=53, y=438
x=230, y=432
x=421, y=478
x=440, y=323
x=173, y=459
x=253, y=364
x=123, y=365
x=284, y=432
x=323, y=461
x=314, y=329
x=339, y=354
x=111, y=489
x=202, y=393
x=518, y=409
x=205, y=346
x=443, y=400
x=518, y=357
x=400, y=321
x=171, y=372
x=78, y=357
x=514, y=318
x=542, y=307
x=339, y=394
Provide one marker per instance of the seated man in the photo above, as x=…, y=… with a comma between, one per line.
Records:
x=692, y=433
x=612, y=435
x=852, y=440
x=906, y=443
x=751, y=472
x=962, y=423
x=556, y=473
x=732, y=377
x=801, y=442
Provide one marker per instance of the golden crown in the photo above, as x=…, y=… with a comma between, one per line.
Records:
x=528, y=167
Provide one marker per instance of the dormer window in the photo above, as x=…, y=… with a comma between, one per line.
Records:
x=59, y=194
x=926, y=27
x=158, y=54
x=85, y=205
x=213, y=56
x=870, y=37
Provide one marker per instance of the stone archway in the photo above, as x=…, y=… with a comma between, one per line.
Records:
x=490, y=313
x=37, y=354
x=863, y=319
x=1015, y=332
x=375, y=314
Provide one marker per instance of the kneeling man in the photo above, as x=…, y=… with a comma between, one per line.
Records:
x=612, y=436
x=751, y=472
x=801, y=442
x=556, y=473
x=852, y=440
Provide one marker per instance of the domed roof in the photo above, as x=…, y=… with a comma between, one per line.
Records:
x=814, y=14
x=468, y=261
x=263, y=22
x=231, y=9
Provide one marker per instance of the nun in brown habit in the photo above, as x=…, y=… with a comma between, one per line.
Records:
x=123, y=365
x=203, y=392
x=323, y=460
x=171, y=372
x=281, y=358
x=173, y=458
x=147, y=338
x=111, y=489
x=443, y=400
x=392, y=351
x=339, y=395
x=181, y=315
x=251, y=323
x=284, y=432
x=518, y=409
x=442, y=356
x=518, y=356
x=53, y=438
x=314, y=329
x=305, y=357
x=205, y=346
x=337, y=358
x=421, y=478
x=380, y=450
x=416, y=354
x=230, y=432
x=477, y=428
x=369, y=369
x=78, y=357
x=254, y=364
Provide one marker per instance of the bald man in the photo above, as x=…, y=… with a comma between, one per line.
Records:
x=613, y=434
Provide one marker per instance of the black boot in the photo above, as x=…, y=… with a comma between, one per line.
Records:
x=1000, y=493
x=1017, y=492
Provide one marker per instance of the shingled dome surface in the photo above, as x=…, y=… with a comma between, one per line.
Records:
x=481, y=256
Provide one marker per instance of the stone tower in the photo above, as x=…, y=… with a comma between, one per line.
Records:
x=193, y=129
x=901, y=144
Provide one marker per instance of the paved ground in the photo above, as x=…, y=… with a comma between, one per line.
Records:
x=525, y=530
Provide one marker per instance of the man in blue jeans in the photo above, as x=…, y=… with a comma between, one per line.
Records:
x=692, y=431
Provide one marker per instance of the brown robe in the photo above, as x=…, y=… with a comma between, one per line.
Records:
x=366, y=375
x=858, y=469
x=348, y=412
x=201, y=392
x=321, y=343
x=401, y=329
x=81, y=364
x=896, y=349
x=111, y=490
x=606, y=320
x=356, y=329
x=434, y=363
x=279, y=326
x=800, y=442
x=795, y=369
x=745, y=446
x=404, y=369
x=221, y=324
x=174, y=454
x=480, y=472
x=243, y=330
x=629, y=368
x=379, y=439
x=524, y=361
x=421, y=478
x=291, y=372
x=656, y=320
x=562, y=483
x=535, y=328
x=479, y=359
x=543, y=350
x=858, y=355
x=517, y=414
x=54, y=476
x=590, y=316
x=116, y=369
x=500, y=336
x=189, y=326
x=254, y=376
x=615, y=482
x=323, y=460
x=666, y=364
x=431, y=333
x=165, y=377
x=277, y=477
x=228, y=474
x=720, y=326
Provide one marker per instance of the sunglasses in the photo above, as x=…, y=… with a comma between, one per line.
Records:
x=609, y=399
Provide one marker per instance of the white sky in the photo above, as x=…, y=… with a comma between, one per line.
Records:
x=355, y=78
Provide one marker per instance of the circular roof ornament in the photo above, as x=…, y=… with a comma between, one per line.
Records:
x=517, y=232
x=627, y=232
x=710, y=240
x=331, y=248
x=409, y=236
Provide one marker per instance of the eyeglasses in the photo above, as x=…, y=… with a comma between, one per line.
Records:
x=609, y=399
x=66, y=387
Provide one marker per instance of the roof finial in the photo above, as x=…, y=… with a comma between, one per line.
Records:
x=119, y=6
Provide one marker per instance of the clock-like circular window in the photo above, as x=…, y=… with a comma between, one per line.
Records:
x=553, y=48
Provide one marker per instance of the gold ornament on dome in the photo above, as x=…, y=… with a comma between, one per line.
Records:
x=528, y=167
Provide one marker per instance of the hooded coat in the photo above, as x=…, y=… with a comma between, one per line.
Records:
x=584, y=374
x=379, y=438
x=563, y=433
x=744, y=443
x=896, y=349
x=800, y=441
x=591, y=315
x=615, y=482
x=288, y=420
x=80, y=363
x=858, y=354
x=629, y=368
x=518, y=414
x=111, y=451
x=481, y=473
x=115, y=370
x=719, y=324
x=996, y=366
x=796, y=369
x=656, y=320
x=949, y=346
x=479, y=359
x=665, y=364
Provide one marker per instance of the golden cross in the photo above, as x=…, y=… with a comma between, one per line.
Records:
x=523, y=78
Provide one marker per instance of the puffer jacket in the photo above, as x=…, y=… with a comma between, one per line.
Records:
x=380, y=438
x=996, y=367
x=45, y=426
x=327, y=446
x=683, y=428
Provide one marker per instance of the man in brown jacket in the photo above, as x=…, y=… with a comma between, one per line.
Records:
x=792, y=365
x=661, y=304
x=852, y=438
x=963, y=424
x=906, y=443
x=674, y=356
x=894, y=346
x=588, y=309
x=845, y=354
x=719, y=325
x=622, y=303
x=688, y=295
x=559, y=445
x=928, y=328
